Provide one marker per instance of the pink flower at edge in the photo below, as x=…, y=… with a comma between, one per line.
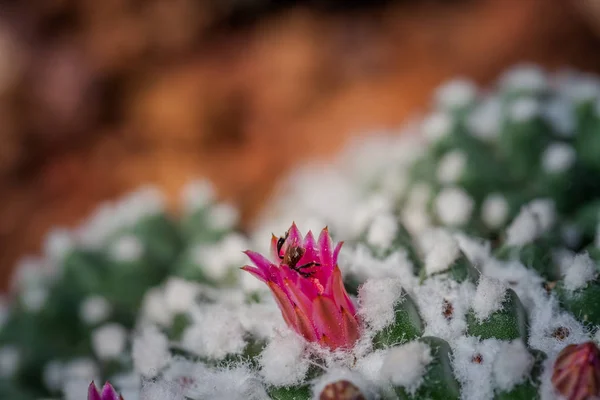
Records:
x=308, y=287
x=108, y=392
x=576, y=374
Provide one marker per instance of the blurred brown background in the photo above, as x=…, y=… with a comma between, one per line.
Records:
x=97, y=97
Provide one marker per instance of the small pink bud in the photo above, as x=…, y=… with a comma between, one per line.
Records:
x=576, y=373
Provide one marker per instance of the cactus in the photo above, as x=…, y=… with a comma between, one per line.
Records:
x=469, y=271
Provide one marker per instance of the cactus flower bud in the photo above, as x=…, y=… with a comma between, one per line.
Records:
x=307, y=285
x=108, y=392
x=576, y=373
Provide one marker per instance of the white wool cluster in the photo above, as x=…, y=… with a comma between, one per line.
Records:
x=218, y=259
x=485, y=119
x=534, y=219
x=477, y=250
x=415, y=215
x=283, y=361
x=111, y=217
x=370, y=366
x=451, y=167
x=150, y=351
x=524, y=109
x=161, y=390
x=94, y=309
x=494, y=210
x=482, y=367
x=77, y=376
x=550, y=328
x=454, y=206
x=57, y=244
x=526, y=283
x=434, y=297
x=180, y=295
x=52, y=375
x=406, y=365
x=524, y=77
x=457, y=93
x=582, y=270
x=558, y=157
x=561, y=115
x=377, y=299
x=374, y=206
x=361, y=263
x=229, y=383
x=339, y=374
x=437, y=125
x=223, y=216
x=126, y=248
x=262, y=319
x=108, y=341
x=214, y=333
x=489, y=297
x=440, y=248
x=196, y=195
x=382, y=231
x=154, y=307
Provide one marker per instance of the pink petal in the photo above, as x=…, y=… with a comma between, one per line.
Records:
x=286, y=307
x=325, y=247
x=340, y=296
x=336, y=252
x=328, y=321
x=305, y=326
x=274, y=254
x=109, y=393
x=310, y=246
x=93, y=393
x=294, y=236
x=351, y=328
x=259, y=273
x=297, y=297
x=258, y=259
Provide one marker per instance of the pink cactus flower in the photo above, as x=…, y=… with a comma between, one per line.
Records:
x=576, y=374
x=307, y=285
x=108, y=392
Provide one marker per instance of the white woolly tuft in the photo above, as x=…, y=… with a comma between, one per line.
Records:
x=377, y=298
x=457, y=93
x=360, y=263
x=94, y=309
x=282, y=362
x=127, y=248
x=109, y=341
x=370, y=366
x=512, y=365
x=582, y=270
x=382, y=231
x=155, y=309
x=524, y=77
x=223, y=216
x=534, y=220
x=214, y=333
x=524, y=109
x=161, y=390
x=558, y=157
x=150, y=351
x=451, y=167
x=406, y=365
x=560, y=113
x=229, y=383
x=494, y=210
x=440, y=249
x=485, y=120
x=443, y=305
x=453, y=206
x=180, y=295
x=488, y=298
x=338, y=374
x=437, y=126
x=473, y=363
x=58, y=243
x=196, y=195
